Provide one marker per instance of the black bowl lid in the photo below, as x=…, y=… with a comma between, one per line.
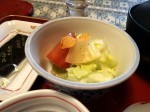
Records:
x=141, y=13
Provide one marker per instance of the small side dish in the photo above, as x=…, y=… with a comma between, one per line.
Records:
x=116, y=44
x=16, y=74
x=79, y=58
x=44, y=100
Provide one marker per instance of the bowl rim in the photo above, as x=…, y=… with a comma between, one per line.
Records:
x=43, y=93
x=77, y=85
x=136, y=22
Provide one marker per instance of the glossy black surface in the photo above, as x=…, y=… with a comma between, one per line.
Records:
x=140, y=34
x=11, y=54
x=141, y=14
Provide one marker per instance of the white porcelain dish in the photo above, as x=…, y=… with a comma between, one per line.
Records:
x=138, y=107
x=42, y=101
x=21, y=81
x=119, y=43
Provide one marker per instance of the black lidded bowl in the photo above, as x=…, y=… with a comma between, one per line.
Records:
x=136, y=27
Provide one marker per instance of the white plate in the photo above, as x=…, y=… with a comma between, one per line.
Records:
x=42, y=101
x=138, y=107
x=22, y=80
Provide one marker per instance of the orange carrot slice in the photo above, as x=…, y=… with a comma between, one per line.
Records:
x=67, y=42
x=83, y=36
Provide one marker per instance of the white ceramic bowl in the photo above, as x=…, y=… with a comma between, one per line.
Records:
x=138, y=107
x=119, y=43
x=42, y=101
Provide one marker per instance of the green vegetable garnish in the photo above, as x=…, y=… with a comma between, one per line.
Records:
x=91, y=63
